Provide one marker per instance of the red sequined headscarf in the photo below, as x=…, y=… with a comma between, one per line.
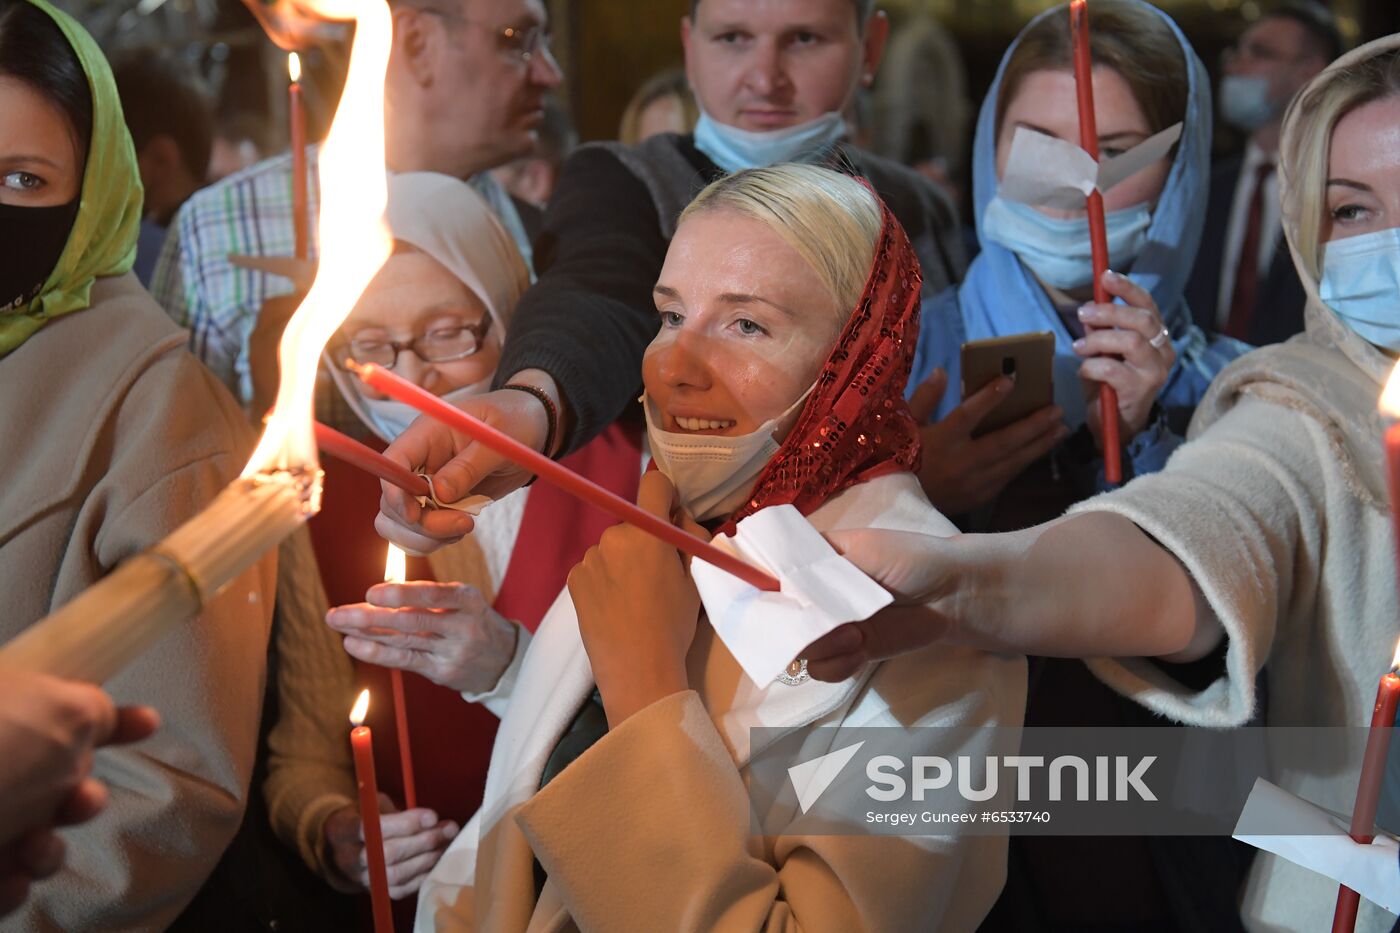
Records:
x=856, y=425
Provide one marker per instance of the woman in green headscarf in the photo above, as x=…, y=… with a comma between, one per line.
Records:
x=70, y=199
x=112, y=436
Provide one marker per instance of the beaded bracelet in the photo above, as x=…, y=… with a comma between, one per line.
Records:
x=551, y=412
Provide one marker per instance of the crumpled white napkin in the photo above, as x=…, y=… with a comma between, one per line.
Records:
x=1276, y=821
x=820, y=591
x=1043, y=171
x=472, y=505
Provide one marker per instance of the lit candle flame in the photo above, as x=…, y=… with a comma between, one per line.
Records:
x=1390, y=398
x=361, y=707
x=354, y=240
x=294, y=67
x=1395, y=660
x=395, y=566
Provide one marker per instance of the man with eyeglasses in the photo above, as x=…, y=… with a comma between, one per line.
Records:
x=465, y=93
x=1244, y=283
x=772, y=80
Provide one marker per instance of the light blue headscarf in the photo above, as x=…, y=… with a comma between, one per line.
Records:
x=1000, y=296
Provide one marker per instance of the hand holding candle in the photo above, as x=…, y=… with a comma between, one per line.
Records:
x=362, y=743
x=414, y=841
x=445, y=632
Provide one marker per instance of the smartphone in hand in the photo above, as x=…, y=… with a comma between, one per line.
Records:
x=1028, y=359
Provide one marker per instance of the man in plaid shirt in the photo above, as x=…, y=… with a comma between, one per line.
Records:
x=464, y=94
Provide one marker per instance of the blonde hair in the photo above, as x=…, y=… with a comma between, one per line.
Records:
x=832, y=220
x=1307, y=146
x=672, y=84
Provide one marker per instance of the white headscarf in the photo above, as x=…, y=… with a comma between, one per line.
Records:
x=447, y=220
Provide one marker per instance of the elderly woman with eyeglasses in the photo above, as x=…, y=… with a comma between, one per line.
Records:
x=436, y=314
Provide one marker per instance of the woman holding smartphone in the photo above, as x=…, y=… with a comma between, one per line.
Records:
x=1035, y=274
x=1035, y=271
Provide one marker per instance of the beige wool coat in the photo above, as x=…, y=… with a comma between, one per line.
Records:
x=113, y=435
x=649, y=829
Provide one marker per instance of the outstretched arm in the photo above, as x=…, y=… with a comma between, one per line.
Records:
x=1089, y=585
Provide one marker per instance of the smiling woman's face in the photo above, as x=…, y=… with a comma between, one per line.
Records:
x=1047, y=102
x=39, y=158
x=745, y=327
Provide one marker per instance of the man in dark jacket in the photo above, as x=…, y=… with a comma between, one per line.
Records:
x=772, y=81
x=1244, y=284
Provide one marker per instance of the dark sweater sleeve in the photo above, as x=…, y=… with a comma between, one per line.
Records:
x=589, y=317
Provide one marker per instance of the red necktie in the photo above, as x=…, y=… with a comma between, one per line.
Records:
x=1247, y=270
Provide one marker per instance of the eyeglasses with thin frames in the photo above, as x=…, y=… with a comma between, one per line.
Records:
x=520, y=42
x=443, y=345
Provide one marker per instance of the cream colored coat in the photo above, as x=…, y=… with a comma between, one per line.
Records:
x=648, y=830
x=1278, y=509
x=113, y=435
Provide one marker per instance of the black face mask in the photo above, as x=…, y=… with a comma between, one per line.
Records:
x=34, y=238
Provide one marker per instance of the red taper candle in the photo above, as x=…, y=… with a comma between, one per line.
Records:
x=301, y=224
x=337, y=445
x=559, y=475
x=395, y=571
x=1098, y=231
x=410, y=790
x=1392, y=479
x=1368, y=790
x=362, y=743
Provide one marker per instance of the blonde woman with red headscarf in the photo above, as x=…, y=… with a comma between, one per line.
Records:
x=788, y=304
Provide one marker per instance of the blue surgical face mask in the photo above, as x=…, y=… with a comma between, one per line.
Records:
x=1058, y=252
x=1361, y=282
x=1245, y=103
x=733, y=149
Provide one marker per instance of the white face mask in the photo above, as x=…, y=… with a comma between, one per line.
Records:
x=713, y=475
x=733, y=149
x=1361, y=282
x=388, y=418
x=1244, y=102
